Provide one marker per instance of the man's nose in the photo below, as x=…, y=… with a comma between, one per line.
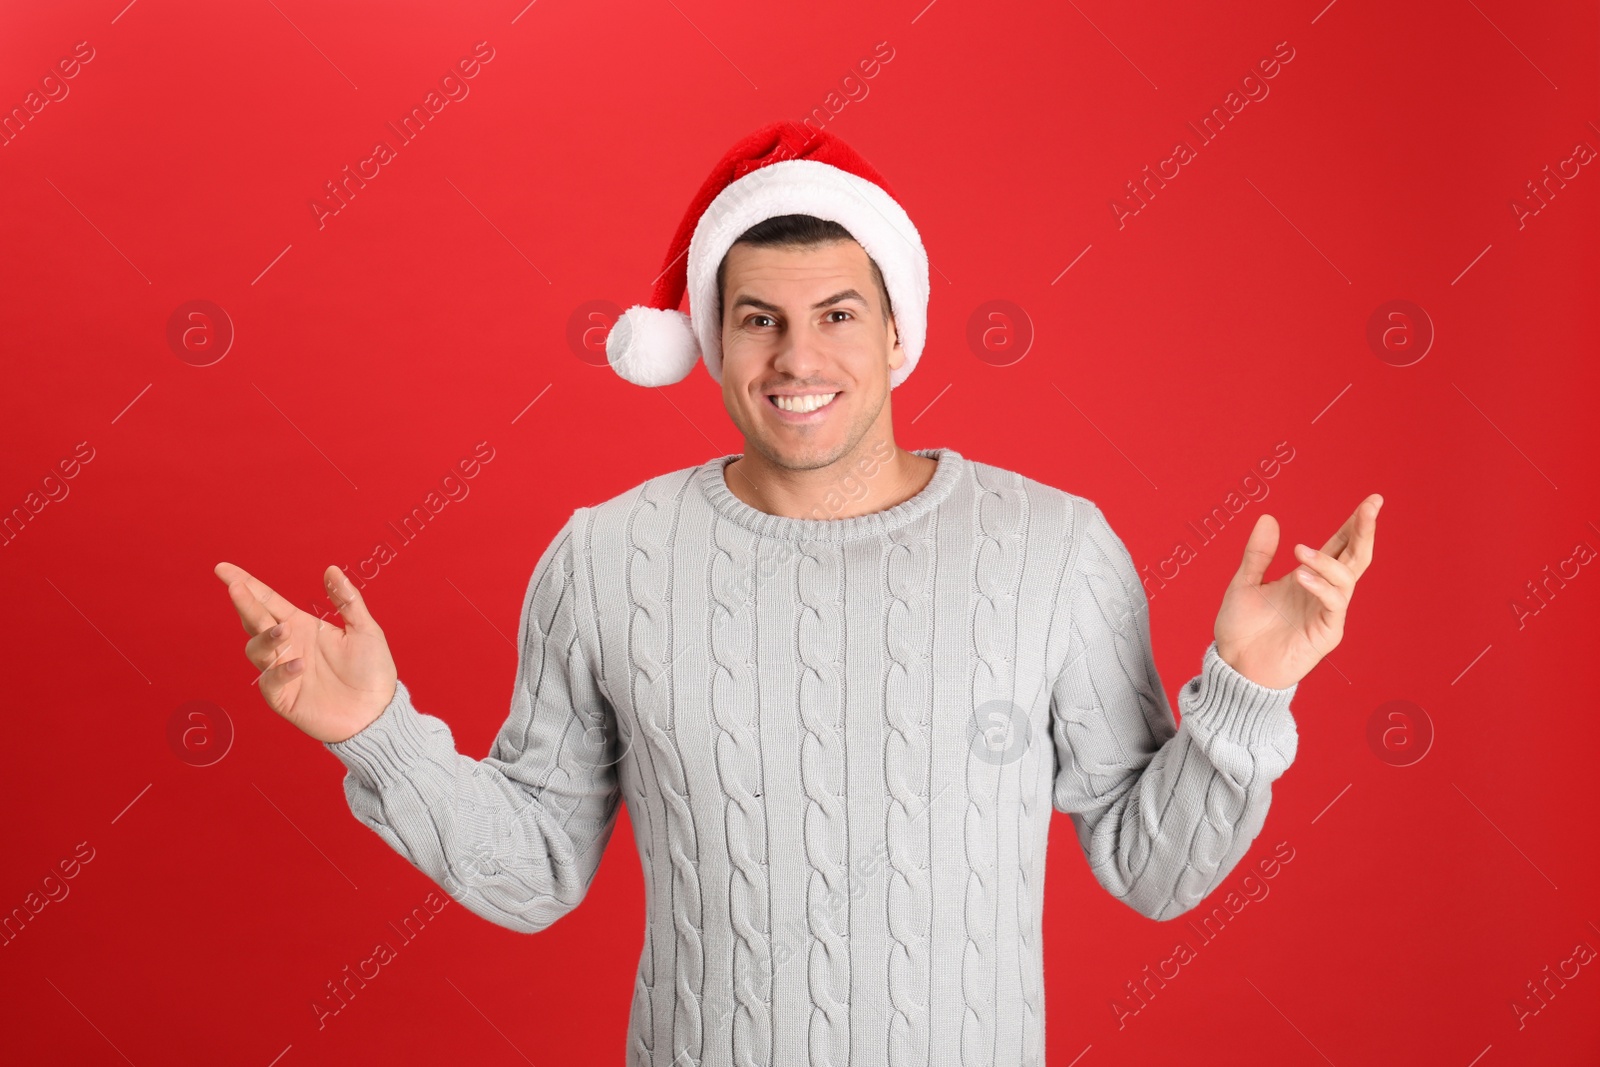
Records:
x=801, y=353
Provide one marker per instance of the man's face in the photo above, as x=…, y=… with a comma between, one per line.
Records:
x=787, y=332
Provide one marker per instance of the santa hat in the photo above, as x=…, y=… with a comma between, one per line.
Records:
x=781, y=169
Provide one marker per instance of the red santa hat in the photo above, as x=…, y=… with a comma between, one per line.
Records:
x=780, y=169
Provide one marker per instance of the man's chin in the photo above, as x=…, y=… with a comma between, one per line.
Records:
x=791, y=452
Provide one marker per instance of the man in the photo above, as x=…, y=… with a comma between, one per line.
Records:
x=841, y=685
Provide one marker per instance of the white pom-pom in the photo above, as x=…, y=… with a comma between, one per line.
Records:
x=649, y=346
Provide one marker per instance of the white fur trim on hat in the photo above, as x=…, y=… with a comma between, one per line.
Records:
x=649, y=346
x=808, y=187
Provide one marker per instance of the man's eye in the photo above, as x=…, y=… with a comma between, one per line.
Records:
x=752, y=319
x=839, y=311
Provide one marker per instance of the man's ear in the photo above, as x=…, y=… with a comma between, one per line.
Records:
x=897, y=354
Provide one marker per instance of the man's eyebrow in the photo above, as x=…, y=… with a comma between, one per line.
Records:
x=756, y=302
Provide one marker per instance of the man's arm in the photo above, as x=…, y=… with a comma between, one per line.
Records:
x=1163, y=812
x=517, y=836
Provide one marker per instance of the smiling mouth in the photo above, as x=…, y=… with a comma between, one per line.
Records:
x=802, y=405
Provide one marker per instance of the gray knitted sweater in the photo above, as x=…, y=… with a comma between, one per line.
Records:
x=840, y=743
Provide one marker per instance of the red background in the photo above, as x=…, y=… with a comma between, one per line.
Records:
x=372, y=354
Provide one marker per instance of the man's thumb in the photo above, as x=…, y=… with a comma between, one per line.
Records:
x=347, y=601
x=1258, y=550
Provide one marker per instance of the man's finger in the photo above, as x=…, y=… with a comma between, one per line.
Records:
x=277, y=608
x=348, y=602
x=267, y=646
x=1357, y=536
x=253, y=614
x=1361, y=524
x=1335, y=544
x=279, y=656
x=274, y=679
x=1331, y=597
x=1330, y=569
x=1341, y=537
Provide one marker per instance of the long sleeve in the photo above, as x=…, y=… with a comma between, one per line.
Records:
x=1163, y=811
x=517, y=836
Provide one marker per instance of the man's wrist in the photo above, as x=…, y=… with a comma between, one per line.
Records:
x=1221, y=702
x=1249, y=670
x=381, y=752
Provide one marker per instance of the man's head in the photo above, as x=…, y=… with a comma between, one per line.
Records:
x=804, y=312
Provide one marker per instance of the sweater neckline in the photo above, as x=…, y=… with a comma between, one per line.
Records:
x=713, y=483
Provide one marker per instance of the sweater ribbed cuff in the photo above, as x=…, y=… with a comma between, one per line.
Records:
x=1232, y=706
x=382, y=751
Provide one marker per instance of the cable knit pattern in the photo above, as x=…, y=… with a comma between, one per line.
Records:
x=731, y=580
x=999, y=520
x=818, y=582
x=841, y=743
x=908, y=769
x=1163, y=812
x=652, y=531
x=1037, y=768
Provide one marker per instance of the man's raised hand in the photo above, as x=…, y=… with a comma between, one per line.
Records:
x=1273, y=633
x=329, y=681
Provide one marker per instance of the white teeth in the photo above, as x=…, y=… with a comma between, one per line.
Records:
x=803, y=404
